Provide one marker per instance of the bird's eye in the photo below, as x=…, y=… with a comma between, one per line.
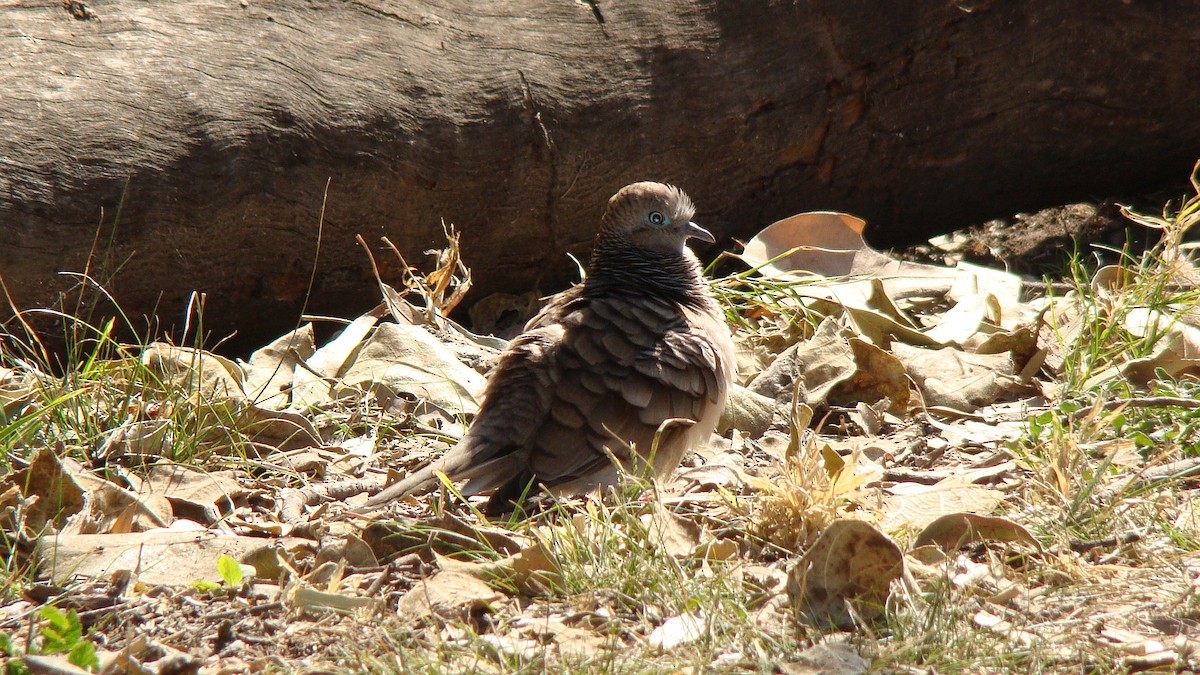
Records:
x=657, y=219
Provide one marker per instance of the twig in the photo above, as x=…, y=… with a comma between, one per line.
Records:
x=291, y=510
x=902, y=475
x=253, y=610
x=1145, y=402
x=1184, y=468
x=1085, y=545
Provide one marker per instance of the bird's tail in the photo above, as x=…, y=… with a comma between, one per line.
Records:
x=459, y=464
x=411, y=483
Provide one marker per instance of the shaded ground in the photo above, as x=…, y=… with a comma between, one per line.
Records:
x=1038, y=244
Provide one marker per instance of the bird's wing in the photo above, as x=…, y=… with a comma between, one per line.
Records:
x=559, y=306
x=625, y=365
x=515, y=403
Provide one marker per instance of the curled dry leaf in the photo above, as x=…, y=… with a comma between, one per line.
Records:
x=819, y=242
x=955, y=530
x=831, y=244
x=960, y=380
x=58, y=495
x=679, y=536
x=835, y=367
x=209, y=375
x=271, y=371
x=850, y=565
x=404, y=359
x=449, y=594
x=531, y=571
x=746, y=411
x=138, y=439
x=1176, y=352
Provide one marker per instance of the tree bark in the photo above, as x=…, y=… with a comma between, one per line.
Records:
x=206, y=145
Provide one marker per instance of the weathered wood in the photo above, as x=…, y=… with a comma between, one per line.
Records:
x=199, y=137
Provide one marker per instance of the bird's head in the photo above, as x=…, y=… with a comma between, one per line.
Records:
x=652, y=216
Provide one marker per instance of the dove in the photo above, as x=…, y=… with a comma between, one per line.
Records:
x=631, y=365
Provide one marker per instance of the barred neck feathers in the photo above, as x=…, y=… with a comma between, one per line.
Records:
x=619, y=266
x=641, y=248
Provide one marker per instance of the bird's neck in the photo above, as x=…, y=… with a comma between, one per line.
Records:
x=618, y=266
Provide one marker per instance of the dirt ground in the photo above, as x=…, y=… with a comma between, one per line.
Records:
x=1037, y=244
x=250, y=631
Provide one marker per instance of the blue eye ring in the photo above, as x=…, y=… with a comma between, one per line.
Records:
x=657, y=219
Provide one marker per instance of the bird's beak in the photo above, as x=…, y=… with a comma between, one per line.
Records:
x=694, y=230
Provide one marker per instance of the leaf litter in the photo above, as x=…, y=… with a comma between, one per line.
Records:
x=904, y=437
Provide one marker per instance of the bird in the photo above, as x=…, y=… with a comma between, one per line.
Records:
x=632, y=367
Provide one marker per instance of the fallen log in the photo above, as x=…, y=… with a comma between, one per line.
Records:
x=203, y=146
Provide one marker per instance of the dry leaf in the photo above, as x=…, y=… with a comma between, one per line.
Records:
x=850, y=564
x=820, y=363
x=1176, y=351
x=877, y=376
x=966, y=319
x=402, y=359
x=999, y=626
x=710, y=476
x=717, y=550
x=314, y=384
x=172, y=557
x=281, y=429
x=833, y=656
x=915, y=505
x=677, y=631
x=572, y=642
x=446, y=535
x=305, y=597
x=746, y=411
x=866, y=309
x=113, y=509
x=819, y=242
x=955, y=530
x=531, y=571
x=449, y=594
x=503, y=314
x=148, y=438
x=837, y=368
x=17, y=389
x=271, y=370
x=679, y=536
x=960, y=380
x=831, y=244
x=195, y=494
x=59, y=495
x=210, y=375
